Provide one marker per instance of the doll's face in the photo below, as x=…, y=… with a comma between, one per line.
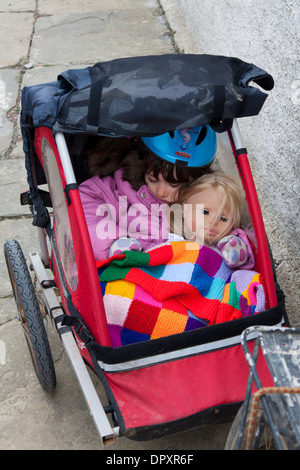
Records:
x=163, y=190
x=211, y=225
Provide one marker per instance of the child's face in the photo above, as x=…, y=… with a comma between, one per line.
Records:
x=213, y=225
x=163, y=190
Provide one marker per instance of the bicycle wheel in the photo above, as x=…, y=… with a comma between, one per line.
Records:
x=30, y=315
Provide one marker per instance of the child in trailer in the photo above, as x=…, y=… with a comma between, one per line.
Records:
x=133, y=180
x=219, y=201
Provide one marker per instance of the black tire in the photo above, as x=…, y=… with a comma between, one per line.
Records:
x=30, y=315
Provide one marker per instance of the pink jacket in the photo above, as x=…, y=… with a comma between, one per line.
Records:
x=113, y=209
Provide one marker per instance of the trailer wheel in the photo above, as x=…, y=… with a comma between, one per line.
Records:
x=30, y=315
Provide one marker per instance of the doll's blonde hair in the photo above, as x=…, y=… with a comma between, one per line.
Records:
x=231, y=193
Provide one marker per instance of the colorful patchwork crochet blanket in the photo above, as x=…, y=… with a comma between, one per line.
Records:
x=175, y=287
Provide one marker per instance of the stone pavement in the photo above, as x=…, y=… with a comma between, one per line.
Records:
x=39, y=39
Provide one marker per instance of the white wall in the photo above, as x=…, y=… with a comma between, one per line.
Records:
x=266, y=33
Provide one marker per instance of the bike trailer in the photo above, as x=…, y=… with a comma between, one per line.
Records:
x=175, y=382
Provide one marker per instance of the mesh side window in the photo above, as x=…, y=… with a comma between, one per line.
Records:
x=61, y=218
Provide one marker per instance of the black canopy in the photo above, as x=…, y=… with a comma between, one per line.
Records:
x=143, y=96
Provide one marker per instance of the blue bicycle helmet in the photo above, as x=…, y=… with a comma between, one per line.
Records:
x=192, y=147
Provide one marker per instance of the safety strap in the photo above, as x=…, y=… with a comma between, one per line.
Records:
x=94, y=105
x=218, y=124
x=40, y=214
x=79, y=327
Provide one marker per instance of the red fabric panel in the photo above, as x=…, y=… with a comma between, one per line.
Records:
x=178, y=389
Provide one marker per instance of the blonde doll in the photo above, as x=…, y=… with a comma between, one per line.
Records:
x=220, y=200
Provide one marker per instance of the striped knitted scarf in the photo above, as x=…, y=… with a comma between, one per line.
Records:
x=175, y=287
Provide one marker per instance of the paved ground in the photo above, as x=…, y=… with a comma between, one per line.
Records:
x=39, y=39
